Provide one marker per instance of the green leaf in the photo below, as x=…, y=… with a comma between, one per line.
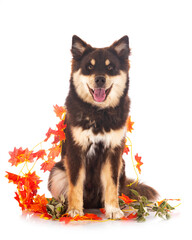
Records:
x=168, y=216
x=62, y=198
x=134, y=192
x=59, y=205
x=121, y=202
x=163, y=204
x=51, y=207
x=53, y=201
x=58, y=209
x=141, y=219
x=144, y=199
x=169, y=207
x=135, y=206
x=155, y=208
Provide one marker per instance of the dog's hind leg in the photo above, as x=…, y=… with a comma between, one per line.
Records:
x=58, y=182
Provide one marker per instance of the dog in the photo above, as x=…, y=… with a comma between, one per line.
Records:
x=91, y=173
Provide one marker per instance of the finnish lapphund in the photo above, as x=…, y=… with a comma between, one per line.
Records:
x=91, y=173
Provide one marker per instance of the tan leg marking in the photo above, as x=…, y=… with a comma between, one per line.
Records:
x=93, y=62
x=107, y=62
x=110, y=193
x=75, y=195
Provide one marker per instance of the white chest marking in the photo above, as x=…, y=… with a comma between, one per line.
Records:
x=86, y=137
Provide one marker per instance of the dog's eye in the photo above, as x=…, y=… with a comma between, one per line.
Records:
x=90, y=67
x=110, y=67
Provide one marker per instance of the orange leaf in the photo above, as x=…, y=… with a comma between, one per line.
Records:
x=159, y=202
x=27, y=188
x=19, y=156
x=18, y=200
x=13, y=177
x=129, y=124
x=16, y=156
x=59, y=134
x=87, y=216
x=91, y=216
x=130, y=216
x=126, y=199
x=126, y=149
x=102, y=210
x=32, y=181
x=39, y=204
x=59, y=110
x=54, y=152
x=139, y=163
x=65, y=219
x=47, y=165
x=49, y=133
x=39, y=154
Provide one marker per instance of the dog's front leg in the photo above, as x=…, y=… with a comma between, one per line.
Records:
x=75, y=193
x=110, y=182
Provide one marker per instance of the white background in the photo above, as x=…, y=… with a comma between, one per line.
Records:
x=35, y=42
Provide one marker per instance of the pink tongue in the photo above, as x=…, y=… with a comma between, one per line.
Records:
x=99, y=94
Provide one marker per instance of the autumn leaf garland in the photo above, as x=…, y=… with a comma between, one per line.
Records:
x=19, y=156
x=27, y=183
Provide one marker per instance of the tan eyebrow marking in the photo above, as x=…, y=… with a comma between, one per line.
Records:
x=92, y=62
x=107, y=62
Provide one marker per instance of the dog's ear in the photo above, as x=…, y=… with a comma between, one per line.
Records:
x=78, y=47
x=121, y=47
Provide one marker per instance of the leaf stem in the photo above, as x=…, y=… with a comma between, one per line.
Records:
x=137, y=179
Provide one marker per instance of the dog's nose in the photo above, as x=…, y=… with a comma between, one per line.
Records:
x=100, y=81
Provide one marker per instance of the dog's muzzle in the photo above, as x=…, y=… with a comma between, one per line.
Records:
x=100, y=81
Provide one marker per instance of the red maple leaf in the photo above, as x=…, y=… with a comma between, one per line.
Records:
x=126, y=199
x=49, y=133
x=18, y=200
x=28, y=155
x=39, y=154
x=39, y=204
x=19, y=156
x=47, y=165
x=139, y=163
x=87, y=216
x=129, y=124
x=60, y=130
x=16, y=156
x=59, y=110
x=27, y=188
x=102, y=210
x=13, y=177
x=33, y=179
x=91, y=216
x=130, y=216
x=126, y=149
x=59, y=134
x=56, y=139
x=54, y=152
x=65, y=219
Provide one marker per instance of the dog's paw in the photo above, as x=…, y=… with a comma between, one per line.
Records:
x=73, y=212
x=113, y=212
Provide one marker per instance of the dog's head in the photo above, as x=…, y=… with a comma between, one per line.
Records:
x=100, y=75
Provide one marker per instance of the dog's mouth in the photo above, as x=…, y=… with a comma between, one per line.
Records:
x=99, y=94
